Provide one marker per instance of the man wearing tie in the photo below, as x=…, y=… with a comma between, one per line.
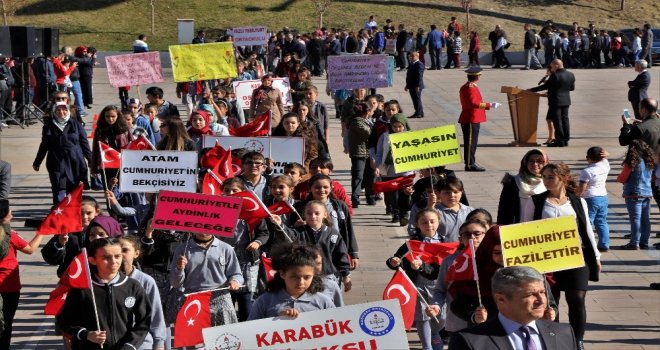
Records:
x=637, y=89
x=415, y=84
x=520, y=295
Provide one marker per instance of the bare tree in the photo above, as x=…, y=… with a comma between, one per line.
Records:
x=467, y=5
x=623, y=4
x=321, y=6
x=9, y=7
x=152, y=3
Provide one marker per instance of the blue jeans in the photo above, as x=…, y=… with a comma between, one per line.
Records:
x=429, y=334
x=598, y=217
x=640, y=220
x=77, y=94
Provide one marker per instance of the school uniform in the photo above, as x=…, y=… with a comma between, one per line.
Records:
x=333, y=248
x=272, y=303
x=157, y=330
x=451, y=220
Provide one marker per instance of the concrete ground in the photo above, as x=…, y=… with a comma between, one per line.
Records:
x=623, y=313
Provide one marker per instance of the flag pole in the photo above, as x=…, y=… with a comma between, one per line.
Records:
x=209, y=290
x=419, y=294
x=91, y=288
x=294, y=210
x=271, y=214
x=474, y=268
x=185, y=250
x=104, y=178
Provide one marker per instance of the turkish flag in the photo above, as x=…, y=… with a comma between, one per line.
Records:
x=212, y=156
x=56, y=300
x=223, y=167
x=194, y=315
x=430, y=253
x=464, y=267
x=77, y=274
x=394, y=184
x=141, y=143
x=252, y=210
x=110, y=157
x=260, y=126
x=268, y=267
x=211, y=185
x=65, y=217
x=280, y=208
x=402, y=288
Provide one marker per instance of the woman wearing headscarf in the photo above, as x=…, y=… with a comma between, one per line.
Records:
x=65, y=142
x=518, y=189
x=200, y=125
x=267, y=98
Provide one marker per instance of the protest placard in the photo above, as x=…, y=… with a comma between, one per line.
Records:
x=152, y=171
x=547, y=245
x=285, y=150
x=243, y=90
x=390, y=46
x=203, y=61
x=424, y=149
x=194, y=212
x=134, y=69
x=375, y=325
x=250, y=36
x=357, y=71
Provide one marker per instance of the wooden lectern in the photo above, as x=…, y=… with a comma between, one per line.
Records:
x=524, y=110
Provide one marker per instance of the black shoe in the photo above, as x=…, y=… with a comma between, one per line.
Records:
x=414, y=116
x=644, y=246
x=395, y=218
x=549, y=142
x=655, y=286
x=626, y=236
x=474, y=167
x=88, y=106
x=629, y=246
x=603, y=250
x=388, y=211
x=556, y=143
x=371, y=201
x=355, y=204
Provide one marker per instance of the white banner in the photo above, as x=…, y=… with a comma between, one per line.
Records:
x=285, y=150
x=152, y=171
x=375, y=325
x=243, y=90
x=250, y=36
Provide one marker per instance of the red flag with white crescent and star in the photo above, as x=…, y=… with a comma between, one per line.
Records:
x=260, y=126
x=110, y=157
x=252, y=209
x=430, y=253
x=77, y=275
x=65, y=217
x=141, y=143
x=211, y=185
x=463, y=268
x=194, y=315
x=280, y=208
x=56, y=300
x=394, y=184
x=268, y=267
x=403, y=289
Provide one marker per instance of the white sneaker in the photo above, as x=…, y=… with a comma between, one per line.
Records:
x=3, y=125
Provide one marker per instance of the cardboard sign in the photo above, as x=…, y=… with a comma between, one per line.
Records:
x=547, y=245
x=250, y=36
x=194, y=212
x=134, y=69
x=203, y=61
x=426, y=148
x=285, y=150
x=375, y=325
x=390, y=46
x=153, y=171
x=243, y=90
x=357, y=71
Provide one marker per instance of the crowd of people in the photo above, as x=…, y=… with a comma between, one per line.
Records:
x=314, y=249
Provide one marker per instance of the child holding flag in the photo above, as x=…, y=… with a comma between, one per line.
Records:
x=10, y=280
x=423, y=275
x=115, y=312
x=474, y=230
x=295, y=288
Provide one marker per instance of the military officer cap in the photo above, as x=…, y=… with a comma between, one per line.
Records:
x=474, y=70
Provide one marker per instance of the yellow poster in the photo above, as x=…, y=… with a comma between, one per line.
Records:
x=547, y=245
x=423, y=149
x=203, y=61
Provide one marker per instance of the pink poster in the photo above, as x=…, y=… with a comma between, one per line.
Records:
x=194, y=212
x=134, y=69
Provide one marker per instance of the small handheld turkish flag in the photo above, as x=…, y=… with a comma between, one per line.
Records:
x=260, y=126
x=430, y=253
x=65, y=217
x=280, y=208
x=110, y=157
x=194, y=315
x=252, y=209
x=56, y=300
x=141, y=143
x=464, y=267
x=268, y=267
x=77, y=274
x=394, y=184
x=403, y=289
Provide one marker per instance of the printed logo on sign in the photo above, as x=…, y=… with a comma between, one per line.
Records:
x=377, y=321
x=129, y=302
x=254, y=145
x=227, y=341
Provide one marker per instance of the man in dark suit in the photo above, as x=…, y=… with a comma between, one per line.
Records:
x=200, y=38
x=559, y=86
x=520, y=295
x=415, y=84
x=638, y=88
x=401, y=39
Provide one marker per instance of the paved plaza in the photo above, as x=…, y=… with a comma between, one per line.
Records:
x=623, y=313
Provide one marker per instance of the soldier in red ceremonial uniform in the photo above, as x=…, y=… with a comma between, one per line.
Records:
x=472, y=114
